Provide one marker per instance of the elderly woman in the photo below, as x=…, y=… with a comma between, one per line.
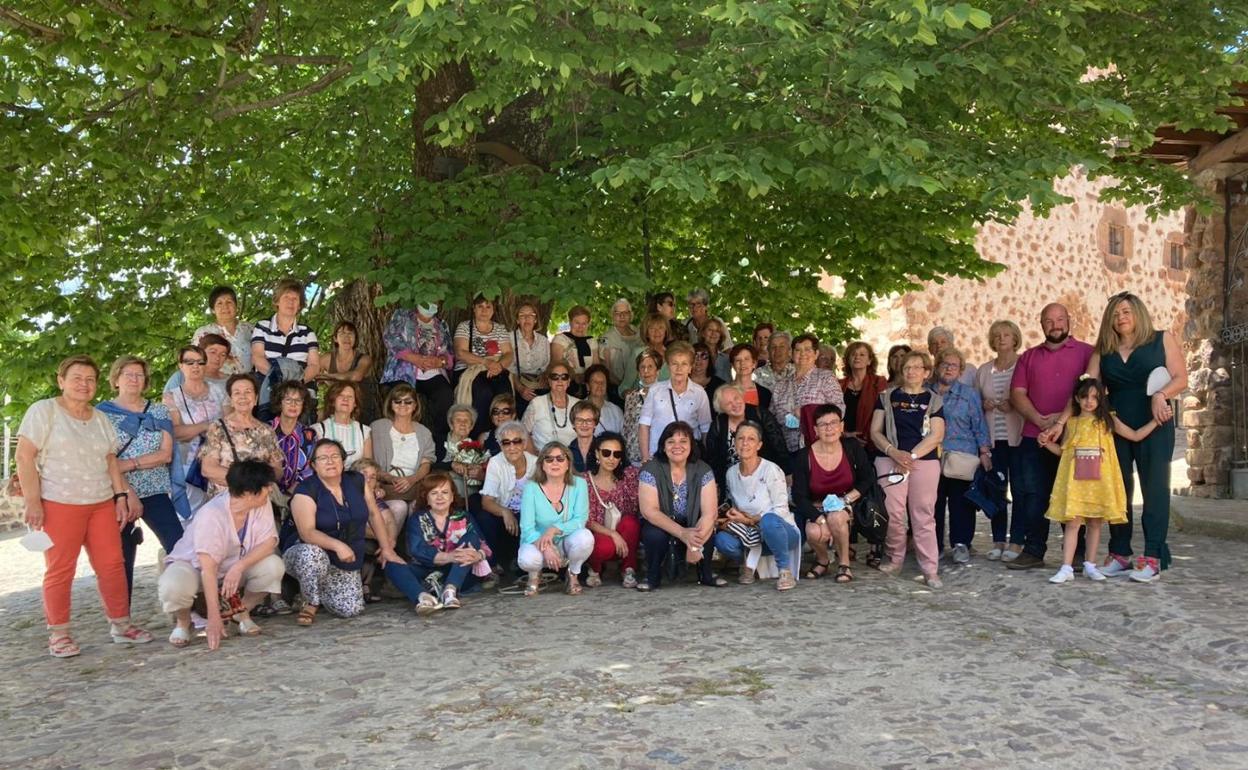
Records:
x=549, y=417
x=418, y=352
x=505, y=477
x=228, y=555
x=648, y=365
x=1005, y=430
x=532, y=357
x=502, y=410
x=73, y=490
x=585, y=423
x=404, y=452
x=194, y=405
x=655, y=335
x=345, y=362
x=610, y=416
x=730, y=412
x=744, y=359
x=340, y=421
x=703, y=373
x=966, y=447
x=861, y=387
x=806, y=386
x=677, y=498
x=896, y=354
x=553, y=510
x=283, y=338
x=223, y=303
x=145, y=432
x=323, y=540
x=762, y=340
x=576, y=347
x=456, y=449
x=483, y=353
x=907, y=427
x=676, y=400
x=613, y=514
x=288, y=402
x=834, y=464
x=779, y=360
x=619, y=349
x=447, y=553
x=758, y=519
x=238, y=436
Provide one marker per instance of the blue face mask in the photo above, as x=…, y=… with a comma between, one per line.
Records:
x=428, y=311
x=832, y=504
x=791, y=422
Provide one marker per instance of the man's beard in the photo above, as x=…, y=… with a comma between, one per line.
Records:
x=1056, y=338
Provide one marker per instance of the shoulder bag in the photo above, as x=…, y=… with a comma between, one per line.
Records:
x=610, y=512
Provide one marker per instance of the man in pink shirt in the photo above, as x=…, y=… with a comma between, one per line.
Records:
x=1043, y=383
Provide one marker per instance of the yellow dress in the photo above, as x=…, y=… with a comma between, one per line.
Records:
x=1104, y=498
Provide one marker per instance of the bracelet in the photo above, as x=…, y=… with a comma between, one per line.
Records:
x=120, y=496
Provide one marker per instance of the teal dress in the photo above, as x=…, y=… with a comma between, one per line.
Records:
x=1125, y=383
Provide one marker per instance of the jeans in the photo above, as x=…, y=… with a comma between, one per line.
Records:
x=411, y=578
x=950, y=494
x=780, y=539
x=657, y=543
x=439, y=397
x=1008, y=460
x=159, y=515
x=1037, y=474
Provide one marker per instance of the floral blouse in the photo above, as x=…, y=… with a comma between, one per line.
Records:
x=680, y=492
x=624, y=496
x=633, y=401
x=406, y=332
x=258, y=442
x=146, y=481
x=425, y=540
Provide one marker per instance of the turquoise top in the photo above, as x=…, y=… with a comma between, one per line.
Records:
x=537, y=514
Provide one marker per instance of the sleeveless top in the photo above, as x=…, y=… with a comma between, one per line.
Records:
x=1126, y=381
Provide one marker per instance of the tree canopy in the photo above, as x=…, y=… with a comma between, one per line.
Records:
x=574, y=150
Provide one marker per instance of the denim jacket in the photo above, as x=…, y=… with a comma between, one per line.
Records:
x=966, y=430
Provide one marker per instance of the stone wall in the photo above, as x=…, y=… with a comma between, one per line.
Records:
x=11, y=513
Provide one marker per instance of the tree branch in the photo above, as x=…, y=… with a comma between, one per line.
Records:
x=277, y=60
x=108, y=5
x=246, y=39
x=994, y=29
x=18, y=21
x=325, y=81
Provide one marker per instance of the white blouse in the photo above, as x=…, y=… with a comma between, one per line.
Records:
x=763, y=491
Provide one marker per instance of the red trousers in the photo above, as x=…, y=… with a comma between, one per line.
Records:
x=72, y=527
x=629, y=528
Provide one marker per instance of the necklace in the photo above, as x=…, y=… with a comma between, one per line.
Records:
x=555, y=419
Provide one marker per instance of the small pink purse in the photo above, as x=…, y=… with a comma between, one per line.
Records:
x=1087, y=464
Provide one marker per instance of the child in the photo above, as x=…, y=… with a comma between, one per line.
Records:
x=1089, y=481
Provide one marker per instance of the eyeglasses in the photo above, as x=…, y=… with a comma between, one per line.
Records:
x=292, y=400
x=616, y=453
x=548, y=459
x=585, y=421
x=511, y=442
x=702, y=356
x=403, y=401
x=334, y=458
x=560, y=377
x=134, y=376
x=827, y=424
x=193, y=363
x=500, y=412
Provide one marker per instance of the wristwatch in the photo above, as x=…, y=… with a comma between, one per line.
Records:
x=913, y=456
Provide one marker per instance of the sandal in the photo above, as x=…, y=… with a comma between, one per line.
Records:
x=62, y=647
x=132, y=635
x=715, y=582
x=370, y=597
x=874, y=558
x=427, y=604
x=574, y=585
x=449, y=600
x=247, y=626
x=307, y=614
x=180, y=637
x=534, y=586
x=819, y=570
x=786, y=581
x=853, y=553
x=844, y=574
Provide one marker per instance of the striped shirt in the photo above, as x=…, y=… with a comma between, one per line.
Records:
x=277, y=344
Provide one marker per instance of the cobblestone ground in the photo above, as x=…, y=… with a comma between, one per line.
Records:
x=998, y=669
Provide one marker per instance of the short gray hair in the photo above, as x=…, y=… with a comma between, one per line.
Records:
x=456, y=409
x=512, y=428
x=622, y=301
x=776, y=335
x=700, y=295
x=940, y=331
x=718, y=398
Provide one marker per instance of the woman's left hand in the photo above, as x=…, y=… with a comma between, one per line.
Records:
x=401, y=484
x=985, y=460
x=387, y=555
x=1162, y=412
x=122, y=508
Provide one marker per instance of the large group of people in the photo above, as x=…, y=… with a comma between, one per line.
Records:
x=282, y=478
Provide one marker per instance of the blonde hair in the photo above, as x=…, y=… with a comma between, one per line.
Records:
x=114, y=371
x=946, y=353
x=62, y=369
x=1108, y=340
x=1013, y=327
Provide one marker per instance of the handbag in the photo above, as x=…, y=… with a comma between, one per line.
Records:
x=959, y=465
x=195, y=471
x=1087, y=463
x=870, y=516
x=749, y=536
x=610, y=511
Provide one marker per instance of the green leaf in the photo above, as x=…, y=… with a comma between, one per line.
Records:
x=73, y=18
x=415, y=7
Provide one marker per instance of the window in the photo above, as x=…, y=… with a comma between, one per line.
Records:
x=1117, y=240
x=1176, y=255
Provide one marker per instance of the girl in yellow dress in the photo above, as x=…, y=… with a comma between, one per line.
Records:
x=1089, y=486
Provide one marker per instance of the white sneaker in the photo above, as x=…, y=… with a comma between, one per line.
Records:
x=1009, y=555
x=1064, y=575
x=994, y=555
x=1114, y=568
x=934, y=581
x=1146, y=570
x=961, y=554
x=630, y=578
x=1091, y=572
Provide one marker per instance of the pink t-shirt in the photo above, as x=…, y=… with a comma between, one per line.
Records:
x=1050, y=377
x=211, y=532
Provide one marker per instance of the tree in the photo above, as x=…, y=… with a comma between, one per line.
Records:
x=568, y=149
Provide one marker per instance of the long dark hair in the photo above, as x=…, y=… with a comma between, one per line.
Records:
x=1102, y=413
x=592, y=461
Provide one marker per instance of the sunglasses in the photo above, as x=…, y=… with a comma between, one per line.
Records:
x=403, y=401
x=560, y=377
x=554, y=459
x=511, y=442
x=701, y=356
x=616, y=453
x=498, y=412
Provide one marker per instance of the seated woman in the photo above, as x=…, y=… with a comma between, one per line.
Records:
x=731, y=411
x=506, y=475
x=758, y=519
x=340, y=421
x=677, y=498
x=345, y=362
x=453, y=453
x=585, y=423
x=553, y=510
x=612, y=485
x=577, y=348
x=289, y=400
x=834, y=464
x=238, y=436
x=549, y=416
x=403, y=450
x=323, y=540
x=229, y=548
x=446, y=551
x=502, y=410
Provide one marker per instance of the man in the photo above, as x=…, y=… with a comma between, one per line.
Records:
x=779, y=355
x=1044, y=381
x=938, y=340
x=699, y=313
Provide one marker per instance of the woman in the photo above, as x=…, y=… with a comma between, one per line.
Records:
x=713, y=336
x=576, y=348
x=612, y=490
x=861, y=386
x=619, y=349
x=227, y=550
x=655, y=332
x=549, y=417
x=703, y=372
x=283, y=338
x=482, y=354
x=663, y=304
x=194, y=405
x=677, y=498
x=532, y=357
x=404, y=452
x=502, y=410
x=1005, y=430
x=340, y=421
x=585, y=425
x=758, y=520
x=505, y=476
x=807, y=385
x=744, y=359
x=323, y=540
x=455, y=450
x=908, y=427
x=553, y=510
x=216, y=353
x=223, y=303
x=834, y=464
x=731, y=412
x=74, y=491
x=762, y=341
x=965, y=445
x=237, y=436
x=896, y=354
x=294, y=439
x=418, y=352
x=678, y=399
x=145, y=432
x=1128, y=350
x=446, y=551
x=344, y=362
x=648, y=365
x=597, y=382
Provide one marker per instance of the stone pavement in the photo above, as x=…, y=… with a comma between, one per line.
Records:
x=998, y=669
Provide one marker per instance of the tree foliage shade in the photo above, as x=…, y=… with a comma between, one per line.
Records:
x=154, y=148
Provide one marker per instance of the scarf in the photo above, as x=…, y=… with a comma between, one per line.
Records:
x=132, y=423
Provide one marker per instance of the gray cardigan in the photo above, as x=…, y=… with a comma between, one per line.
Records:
x=694, y=472
x=383, y=447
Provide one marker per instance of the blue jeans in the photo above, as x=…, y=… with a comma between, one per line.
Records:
x=1008, y=460
x=780, y=538
x=1037, y=474
x=159, y=515
x=657, y=543
x=410, y=578
x=951, y=496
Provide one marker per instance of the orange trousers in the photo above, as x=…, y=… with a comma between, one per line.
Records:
x=72, y=527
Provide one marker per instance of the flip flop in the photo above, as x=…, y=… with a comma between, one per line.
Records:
x=180, y=637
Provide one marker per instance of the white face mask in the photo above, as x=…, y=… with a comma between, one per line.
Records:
x=36, y=540
x=428, y=311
